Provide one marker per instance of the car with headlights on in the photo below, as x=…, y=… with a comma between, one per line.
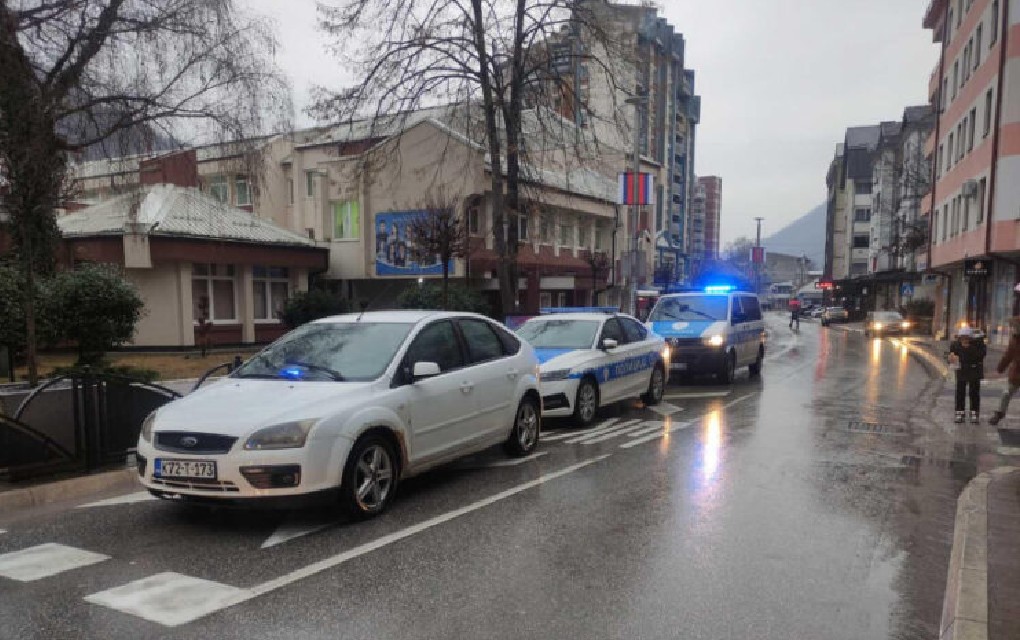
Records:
x=346, y=407
x=591, y=359
x=834, y=314
x=880, y=323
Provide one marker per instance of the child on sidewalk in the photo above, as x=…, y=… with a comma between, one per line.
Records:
x=967, y=356
x=1009, y=359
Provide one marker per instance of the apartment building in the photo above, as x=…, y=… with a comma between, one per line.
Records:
x=712, y=187
x=850, y=182
x=974, y=204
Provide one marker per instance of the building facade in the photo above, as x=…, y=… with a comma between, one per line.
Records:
x=712, y=187
x=974, y=203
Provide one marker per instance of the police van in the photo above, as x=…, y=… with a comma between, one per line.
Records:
x=715, y=330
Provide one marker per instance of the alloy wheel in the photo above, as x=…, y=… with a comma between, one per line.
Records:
x=587, y=402
x=527, y=425
x=373, y=478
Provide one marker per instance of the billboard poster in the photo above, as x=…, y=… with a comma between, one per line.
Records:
x=395, y=253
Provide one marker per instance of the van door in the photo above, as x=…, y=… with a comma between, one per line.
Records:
x=751, y=328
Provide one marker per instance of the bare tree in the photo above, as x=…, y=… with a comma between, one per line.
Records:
x=507, y=57
x=101, y=76
x=440, y=231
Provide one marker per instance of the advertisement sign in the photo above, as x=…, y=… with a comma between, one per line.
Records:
x=395, y=253
x=757, y=255
x=639, y=190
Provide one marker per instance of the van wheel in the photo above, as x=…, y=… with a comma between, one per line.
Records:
x=729, y=370
x=586, y=403
x=755, y=367
x=656, y=386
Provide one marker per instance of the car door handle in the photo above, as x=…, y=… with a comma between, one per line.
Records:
x=466, y=387
x=512, y=374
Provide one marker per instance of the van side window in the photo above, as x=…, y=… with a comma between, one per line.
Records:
x=752, y=310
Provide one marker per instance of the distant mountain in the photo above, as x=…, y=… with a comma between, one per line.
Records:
x=805, y=235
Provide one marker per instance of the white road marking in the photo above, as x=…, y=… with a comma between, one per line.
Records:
x=641, y=426
x=1009, y=451
x=574, y=432
x=656, y=435
x=737, y=401
x=170, y=598
x=131, y=498
x=665, y=409
x=44, y=560
x=295, y=527
x=585, y=435
x=698, y=394
x=516, y=461
x=173, y=599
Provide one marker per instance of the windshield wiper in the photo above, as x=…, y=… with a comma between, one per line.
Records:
x=335, y=375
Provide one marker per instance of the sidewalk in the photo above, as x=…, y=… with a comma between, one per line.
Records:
x=939, y=349
x=983, y=584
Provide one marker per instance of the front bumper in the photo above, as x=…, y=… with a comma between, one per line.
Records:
x=696, y=359
x=558, y=398
x=320, y=463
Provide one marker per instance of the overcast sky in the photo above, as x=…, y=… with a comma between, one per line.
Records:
x=780, y=80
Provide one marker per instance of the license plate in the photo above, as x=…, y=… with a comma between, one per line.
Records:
x=678, y=366
x=204, y=469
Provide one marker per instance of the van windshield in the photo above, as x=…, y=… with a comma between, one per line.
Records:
x=690, y=309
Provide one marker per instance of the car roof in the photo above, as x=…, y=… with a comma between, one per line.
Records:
x=580, y=315
x=404, y=316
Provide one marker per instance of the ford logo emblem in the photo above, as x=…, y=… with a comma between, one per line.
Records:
x=189, y=441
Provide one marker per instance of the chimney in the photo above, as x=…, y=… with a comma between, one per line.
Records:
x=179, y=168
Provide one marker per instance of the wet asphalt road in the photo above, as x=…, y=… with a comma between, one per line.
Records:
x=816, y=502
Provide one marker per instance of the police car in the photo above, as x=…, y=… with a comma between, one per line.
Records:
x=593, y=358
x=715, y=330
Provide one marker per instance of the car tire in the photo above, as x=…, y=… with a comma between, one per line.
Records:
x=586, y=403
x=729, y=369
x=755, y=367
x=656, y=386
x=527, y=429
x=370, y=477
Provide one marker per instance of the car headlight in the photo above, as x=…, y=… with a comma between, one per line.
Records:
x=878, y=325
x=905, y=325
x=289, y=435
x=147, y=427
x=714, y=341
x=558, y=374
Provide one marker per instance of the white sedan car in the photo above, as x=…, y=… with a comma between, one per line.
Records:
x=593, y=359
x=351, y=403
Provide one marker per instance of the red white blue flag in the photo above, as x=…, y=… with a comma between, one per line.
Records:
x=639, y=189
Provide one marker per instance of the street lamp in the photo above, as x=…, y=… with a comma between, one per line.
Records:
x=639, y=101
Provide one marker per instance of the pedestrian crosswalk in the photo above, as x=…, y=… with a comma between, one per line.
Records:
x=169, y=598
x=45, y=560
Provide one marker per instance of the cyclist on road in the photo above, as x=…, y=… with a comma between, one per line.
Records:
x=794, y=313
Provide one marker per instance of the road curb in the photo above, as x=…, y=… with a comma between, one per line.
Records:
x=69, y=489
x=965, y=605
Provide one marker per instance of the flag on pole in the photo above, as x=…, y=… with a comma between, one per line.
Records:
x=639, y=189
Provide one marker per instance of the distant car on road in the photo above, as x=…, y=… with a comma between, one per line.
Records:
x=880, y=323
x=834, y=314
x=592, y=359
x=817, y=312
x=346, y=407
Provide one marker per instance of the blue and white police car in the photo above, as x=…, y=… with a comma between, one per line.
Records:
x=593, y=358
x=715, y=330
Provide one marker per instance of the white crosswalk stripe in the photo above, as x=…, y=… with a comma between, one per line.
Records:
x=656, y=435
x=45, y=560
x=170, y=598
x=586, y=435
x=641, y=426
x=574, y=432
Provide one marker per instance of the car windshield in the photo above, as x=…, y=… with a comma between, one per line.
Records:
x=559, y=333
x=340, y=351
x=887, y=316
x=690, y=309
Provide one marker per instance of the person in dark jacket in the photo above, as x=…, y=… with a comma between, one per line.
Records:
x=967, y=355
x=1011, y=360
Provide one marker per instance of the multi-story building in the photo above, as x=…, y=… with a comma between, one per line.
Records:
x=696, y=225
x=836, y=255
x=974, y=203
x=712, y=186
x=848, y=223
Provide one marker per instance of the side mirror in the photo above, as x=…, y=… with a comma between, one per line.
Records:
x=609, y=343
x=424, y=370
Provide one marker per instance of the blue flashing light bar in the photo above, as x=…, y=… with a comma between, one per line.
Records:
x=719, y=288
x=552, y=310
x=292, y=373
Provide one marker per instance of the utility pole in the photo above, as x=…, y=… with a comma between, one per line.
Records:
x=757, y=266
x=638, y=101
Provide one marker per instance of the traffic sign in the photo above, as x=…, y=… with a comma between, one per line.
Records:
x=907, y=289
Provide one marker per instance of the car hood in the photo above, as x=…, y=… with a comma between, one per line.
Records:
x=553, y=359
x=672, y=329
x=237, y=407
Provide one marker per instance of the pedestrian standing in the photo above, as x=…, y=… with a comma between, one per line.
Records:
x=967, y=356
x=1011, y=360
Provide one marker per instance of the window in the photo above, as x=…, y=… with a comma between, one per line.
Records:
x=546, y=230
x=436, y=343
x=751, y=308
x=862, y=188
x=633, y=329
x=218, y=189
x=310, y=184
x=474, y=220
x=959, y=13
x=977, y=47
x=270, y=289
x=545, y=299
x=944, y=96
x=346, y=221
x=965, y=205
x=582, y=236
x=242, y=191
x=212, y=293
x=960, y=140
x=861, y=241
x=566, y=235
x=522, y=227
x=966, y=61
x=945, y=221
x=939, y=160
x=935, y=227
x=956, y=77
x=290, y=190
x=862, y=215
x=858, y=268
x=988, y=114
x=600, y=238
x=949, y=27
x=971, y=126
x=613, y=331
x=982, y=186
x=993, y=26
x=482, y=342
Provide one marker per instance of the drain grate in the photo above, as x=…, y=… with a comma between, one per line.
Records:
x=857, y=426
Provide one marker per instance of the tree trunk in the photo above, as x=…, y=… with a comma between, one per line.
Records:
x=31, y=357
